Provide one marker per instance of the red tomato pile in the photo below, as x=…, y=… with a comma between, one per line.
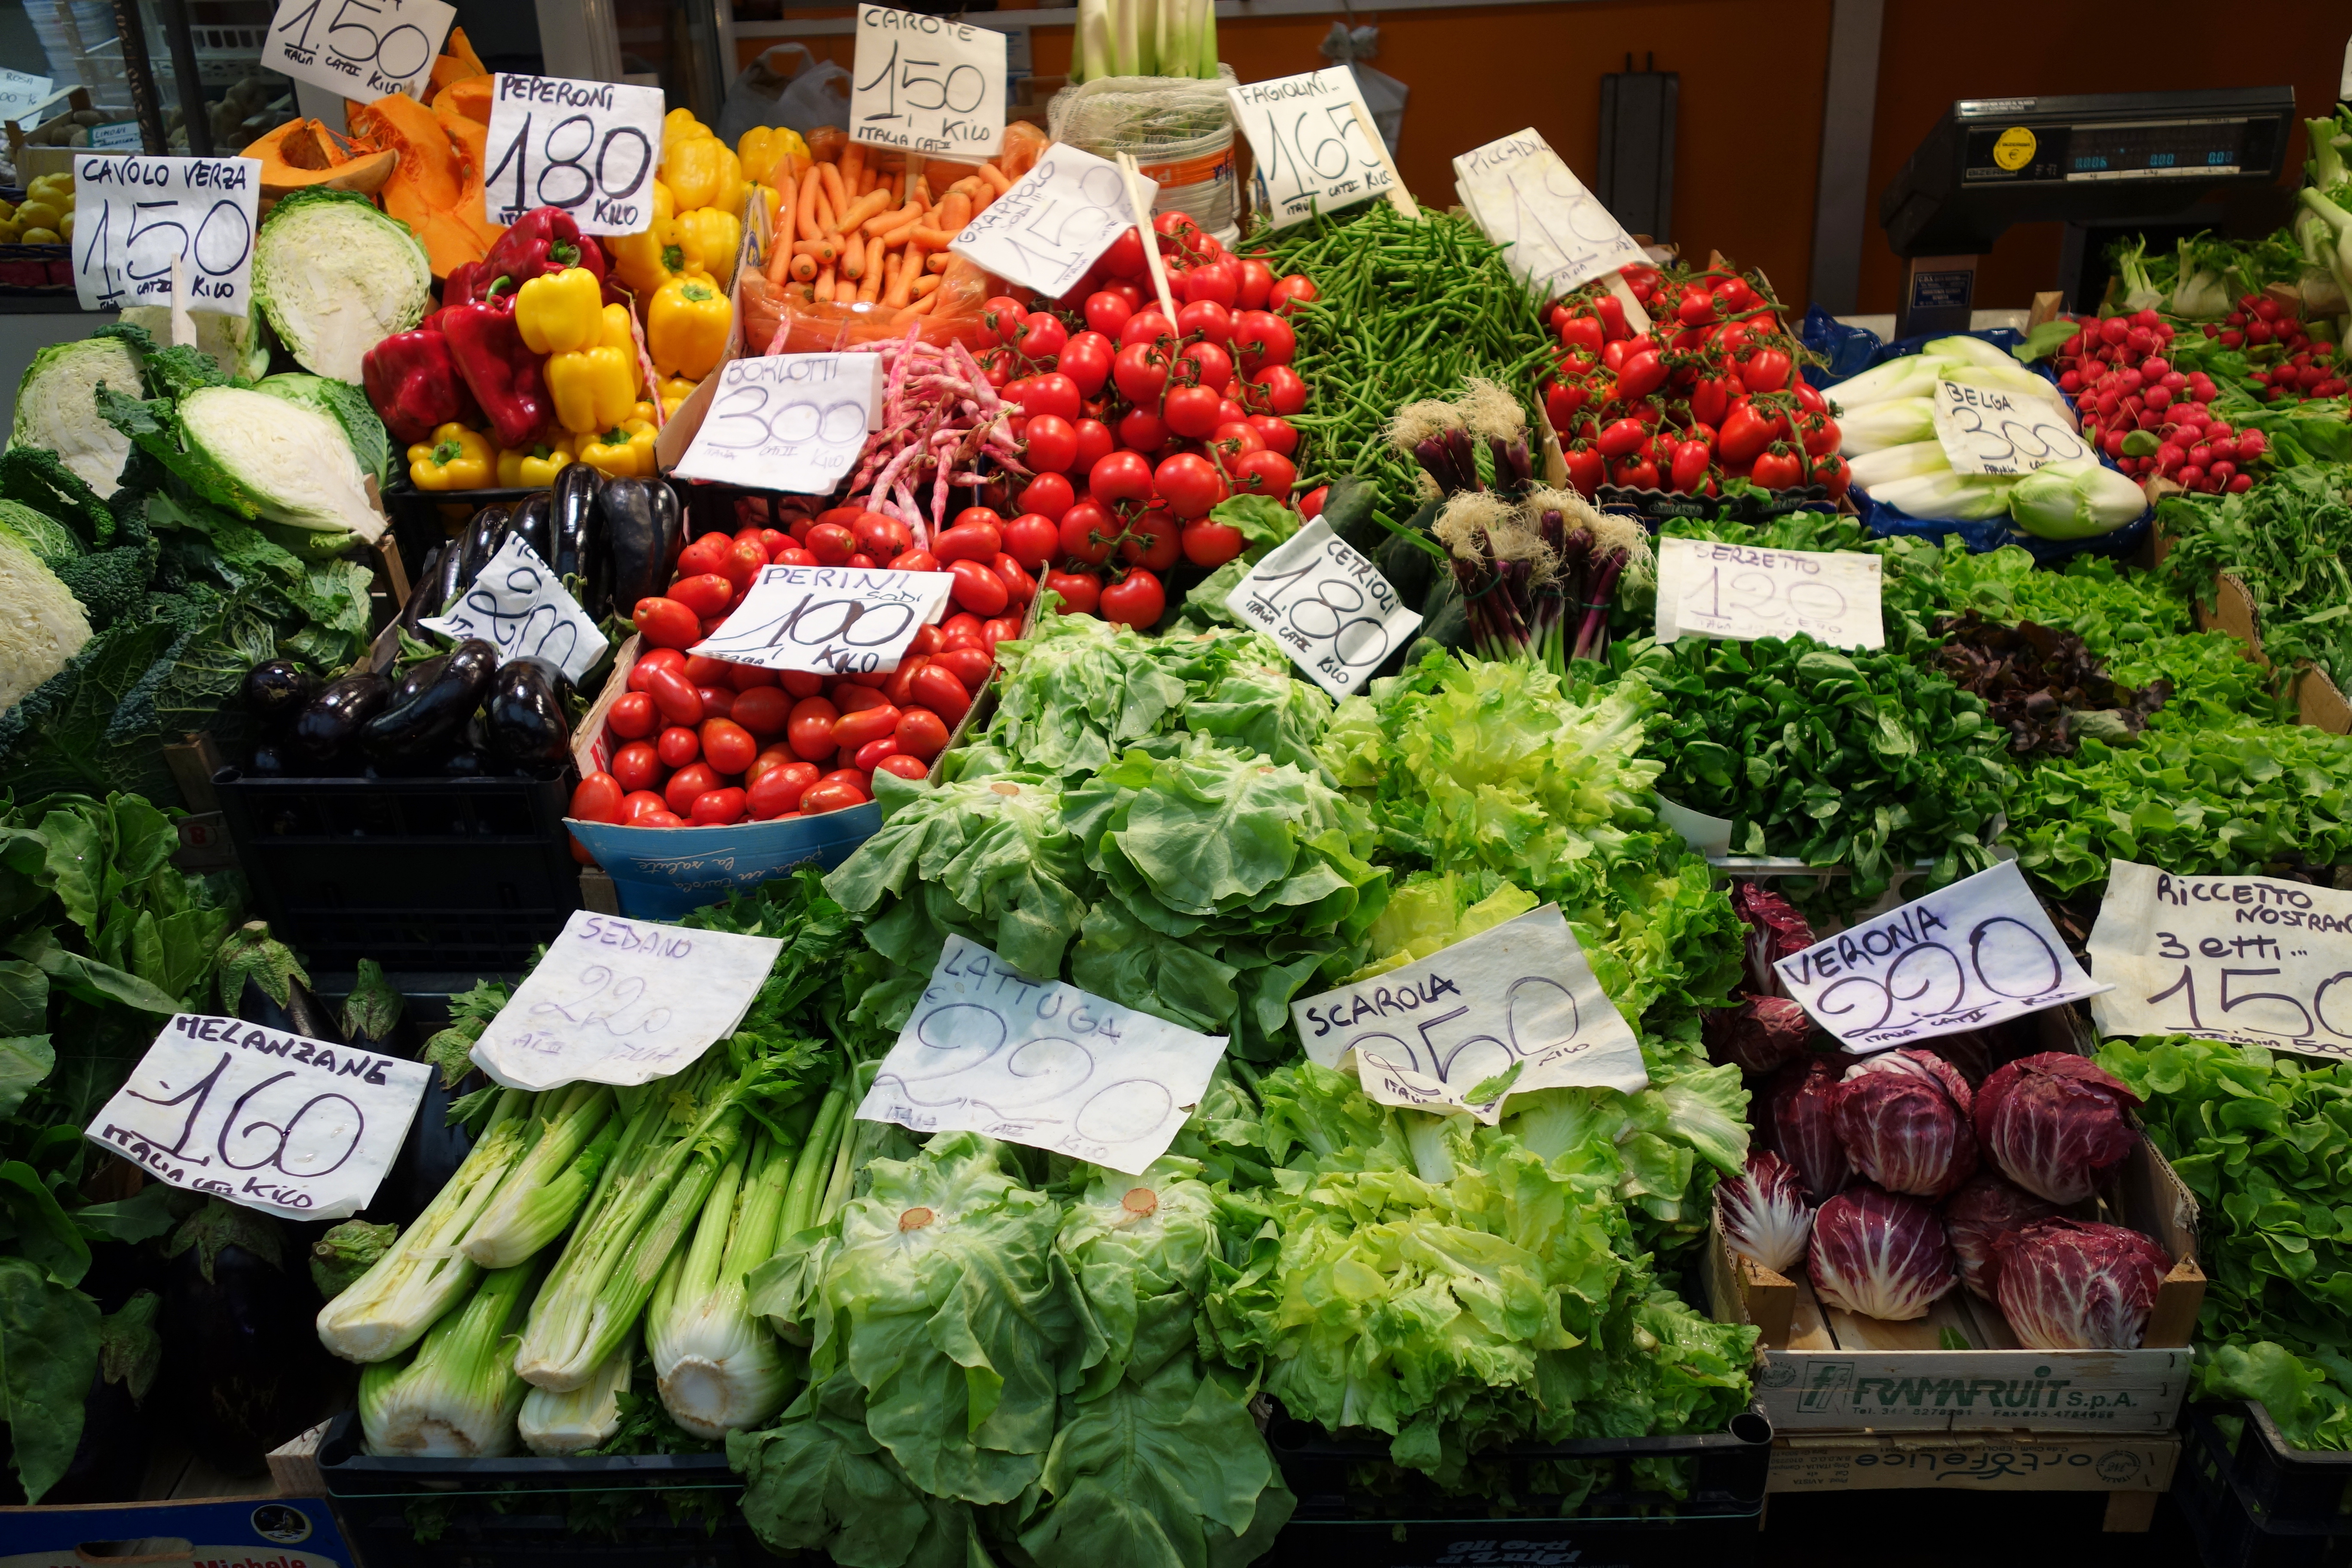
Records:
x=1709, y=392
x=2148, y=416
x=1137, y=427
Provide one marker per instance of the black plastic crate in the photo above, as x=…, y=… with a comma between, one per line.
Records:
x=419, y=523
x=1408, y=1521
x=2252, y=1502
x=453, y=875
x=645, y=1510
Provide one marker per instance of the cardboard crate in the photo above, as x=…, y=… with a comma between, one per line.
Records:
x=279, y=1520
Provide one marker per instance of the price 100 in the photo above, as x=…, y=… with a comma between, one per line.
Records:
x=564, y=177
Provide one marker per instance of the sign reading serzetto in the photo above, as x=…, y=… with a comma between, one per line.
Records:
x=133, y=216
x=1512, y=1009
x=362, y=49
x=829, y=620
x=1524, y=197
x=1053, y=223
x=2252, y=961
x=1715, y=590
x=793, y=423
x=1978, y=953
x=1327, y=606
x=589, y=147
x=1992, y=430
x=517, y=604
x=1312, y=154
x=926, y=84
x=273, y=1121
x=622, y=1002
x=1039, y=1062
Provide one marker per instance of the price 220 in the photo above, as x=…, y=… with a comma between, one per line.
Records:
x=343, y=1122
x=564, y=178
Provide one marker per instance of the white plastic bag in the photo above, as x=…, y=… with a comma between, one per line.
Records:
x=785, y=85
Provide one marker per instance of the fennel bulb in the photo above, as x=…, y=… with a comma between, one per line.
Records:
x=717, y=1363
x=457, y=1397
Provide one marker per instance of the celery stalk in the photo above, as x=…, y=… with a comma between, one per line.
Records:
x=576, y=1138
x=457, y=1397
x=718, y=1366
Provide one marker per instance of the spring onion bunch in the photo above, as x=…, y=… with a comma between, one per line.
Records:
x=1537, y=578
x=1145, y=38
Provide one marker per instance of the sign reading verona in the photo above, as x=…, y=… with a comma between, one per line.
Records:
x=360, y=48
x=589, y=147
x=1040, y=1062
x=1978, y=952
x=133, y=216
x=1054, y=222
x=275, y=1122
x=1327, y=606
x=2252, y=961
x=829, y=620
x=794, y=423
x=1511, y=1009
x=1715, y=590
x=926, y=84
x=1312, y=154
x=517, y=604
x=622, y=1002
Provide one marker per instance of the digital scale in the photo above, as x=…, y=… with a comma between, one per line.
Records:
x=2121, y=159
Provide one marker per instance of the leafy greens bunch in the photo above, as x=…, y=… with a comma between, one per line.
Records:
x=2289, y=541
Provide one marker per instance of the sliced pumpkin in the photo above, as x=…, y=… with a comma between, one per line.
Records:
x=436, y=186
x=304, y=154
x=455, y=62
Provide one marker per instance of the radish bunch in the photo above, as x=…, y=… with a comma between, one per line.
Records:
x=2288, y=363
x=2150, y=418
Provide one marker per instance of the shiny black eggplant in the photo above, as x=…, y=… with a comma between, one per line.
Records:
x=534, y=521
x=421, y=674
x=523, y=717
x=448, y=583
x=425, y=595
x=582, y=550
x=333, y=717
x=641, y=525
x=276, y=691
x=433, y=718
x=484, y=538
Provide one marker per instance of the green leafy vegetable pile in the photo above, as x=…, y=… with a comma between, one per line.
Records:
x=2289, y=541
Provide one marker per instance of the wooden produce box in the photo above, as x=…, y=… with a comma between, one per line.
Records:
x=2132, y=1468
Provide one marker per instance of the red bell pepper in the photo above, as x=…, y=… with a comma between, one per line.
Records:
x=543, y=240
x=506, y=378
x=413, y=384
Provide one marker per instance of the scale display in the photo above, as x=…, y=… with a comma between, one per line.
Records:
x=2144, y=149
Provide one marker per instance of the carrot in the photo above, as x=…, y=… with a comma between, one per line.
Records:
x=925, y=286
x=803, y=268
x=996, y=177
x=898, y=188
x=833, y=191
x=805, y=219
x=890, y=218
x=853, y=164
x=852, y=264
x=921, y=307
x=844, y=293
x=937, y=263
x=826, y=229
x=861, y=208
x=869, y=288
x=902, y=278
x=824, y=285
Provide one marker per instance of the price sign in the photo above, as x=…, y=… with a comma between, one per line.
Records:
x=1050, y=226
x=275, y=1122
x=1992, y=430
x=1524, y=196
x=1512, y=1009
x=1038, y=1062
x=622, y=1002
x=1707, y=589
x=1978, y=952
x=1327, y=606
x=1312, y=154
x=787, y=422
x=926, y=84
x=518, y=604
x=19, y=92
x=589, y=147
x=361, y=49
x=829, y=620
x=133, y=216
x=2252, y=961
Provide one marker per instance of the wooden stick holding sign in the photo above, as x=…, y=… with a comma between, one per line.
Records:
x=1399, y=197
x=184, y=326
x=1143, y=210
x=1637, y=320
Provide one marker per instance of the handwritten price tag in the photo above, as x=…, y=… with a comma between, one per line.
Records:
x=1312, y=154
x=19, y=91
x=1706, y=589
x=1317, y=597
x=829, y=620
x=363, y=48
x=1050, y=226
x=589, y=147
x=275, y=1122
x=1987, y=430
x=1978, y=952
x=518, y=604
x=926, y=84
x=1512, y=1009
x=1524, y=196
x=622, y=1002
x=787, y=422
x=1038, y=1062
x=2252, y=961
x=135, y=217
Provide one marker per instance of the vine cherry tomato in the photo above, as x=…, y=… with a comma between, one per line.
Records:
x=1295, y=289
x=1310, y=505
x=1135, y=600
x=1049, y=495
x=1190, y=411
x=1147, y=327
x=1121, y=475
x=1278, y=434
x=1052, y=444
x=1080, y=592
x=1141, y=372
x=1209, y=545
x=1190, y=484
x=1086, y=360
x=1094, y=443
x=1267, y=473
x=1042, y=335
x=1107, y=312
x=1209, y=318
x=1031, y=538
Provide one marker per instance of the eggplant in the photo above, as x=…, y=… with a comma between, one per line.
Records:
x=640, y=526
x=333, y=717
x=580, y=547
x=303, y=1014
x=425, y=595
x=453, y=567
x=463, y=763
x=534, y=521
x=276, y=691
x=269, y=761
x=243, y=1369
x=523, y=716
x=484, y=536
x=421, y=674
x=433, y=717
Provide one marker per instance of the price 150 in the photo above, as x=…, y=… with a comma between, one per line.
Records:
x=929, y=90
x=349, y=40
x=2231, y=1001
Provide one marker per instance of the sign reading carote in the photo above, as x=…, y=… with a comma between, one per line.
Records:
x=517, y=604
x=361, y=49
x=589, y=147
x=1511, y=1009
x=1053, y=223
x=275, y=1122
x=1710, y=589
x=2252, y=961
x=1992, y=430
x=1328, y=607
x=794, y=423
x=1524, y=197
x=622, y=1002
x=990, y=1050
x=926, y=84
x=1978, y=952
x=1312, y=154
x=133, y=216
x=829, y=620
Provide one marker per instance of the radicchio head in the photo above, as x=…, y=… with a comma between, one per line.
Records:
x=1765, y=1214
x=2055, y=1124
x=1757, y=1036
x=1802, y=1126
x=1985, y=1209
x=1880, y=1254
x=1775, y=931
x=2065, y=1285
x=1902, y=1117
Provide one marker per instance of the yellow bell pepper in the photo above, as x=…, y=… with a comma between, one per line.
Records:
x=673, y=392
x=709, y=238
x=686, y=327
x=561, y=311
x=638, y=258
x=624, y=452
x=592, y=388
x=680, y=125
x=763, y=149
x=644, y=411
x=733, y=188
x=695, y=170
x=455, y=458
x=533, y=468
x=618, y=334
